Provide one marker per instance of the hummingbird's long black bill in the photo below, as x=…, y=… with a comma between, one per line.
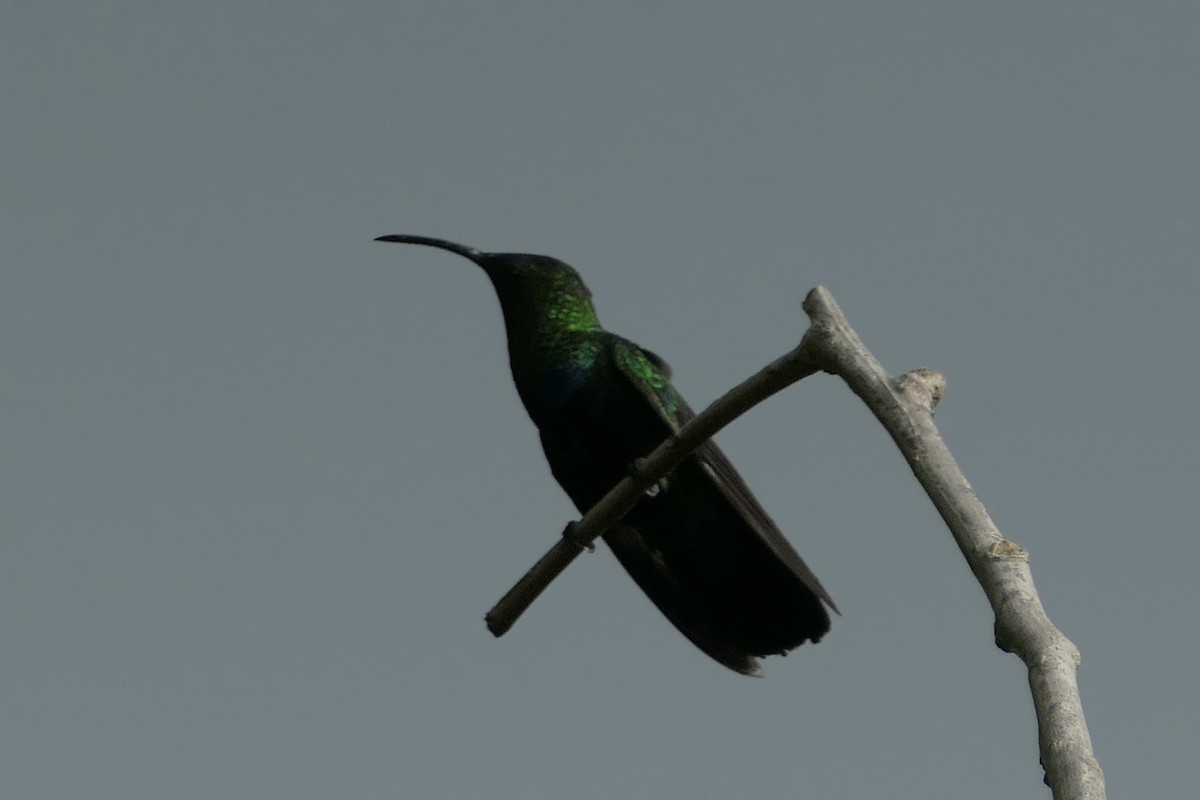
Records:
x=469, y=253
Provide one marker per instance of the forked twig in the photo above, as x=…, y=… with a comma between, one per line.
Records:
x=904, y=405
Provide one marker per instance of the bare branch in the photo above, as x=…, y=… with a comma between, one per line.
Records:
x=904, y=406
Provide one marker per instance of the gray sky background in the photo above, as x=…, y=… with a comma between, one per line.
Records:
x=262, y=476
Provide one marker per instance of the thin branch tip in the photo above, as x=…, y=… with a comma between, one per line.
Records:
x=496, y=627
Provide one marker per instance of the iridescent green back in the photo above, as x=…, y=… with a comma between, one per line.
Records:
x=652, y=377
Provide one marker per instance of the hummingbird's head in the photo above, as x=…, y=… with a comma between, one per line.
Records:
x=532, y=278
x=530, y=287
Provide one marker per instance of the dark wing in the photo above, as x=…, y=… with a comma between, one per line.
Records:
x=677, y=603
x=649, y=374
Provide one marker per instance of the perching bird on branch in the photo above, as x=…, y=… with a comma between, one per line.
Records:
x=700, y=545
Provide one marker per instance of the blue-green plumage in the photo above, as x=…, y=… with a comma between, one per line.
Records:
x=702, y=548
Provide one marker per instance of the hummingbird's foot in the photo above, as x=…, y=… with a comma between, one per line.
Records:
x=638, y=468
x=570, y=534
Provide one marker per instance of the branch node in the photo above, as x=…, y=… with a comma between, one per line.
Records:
x=1005, y=549
x=637, y=471
x=571, y=534
x=922, y=386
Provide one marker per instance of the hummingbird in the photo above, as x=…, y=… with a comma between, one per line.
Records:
x=698, y=543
